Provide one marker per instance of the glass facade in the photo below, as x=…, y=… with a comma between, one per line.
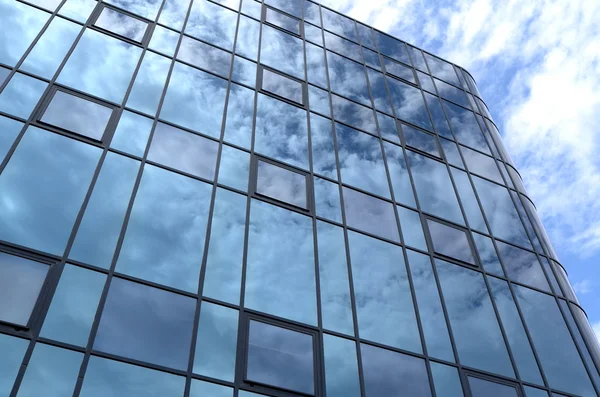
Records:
x=241, y=198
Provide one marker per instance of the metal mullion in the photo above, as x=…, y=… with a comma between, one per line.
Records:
x=356, y=337
x=111, y=271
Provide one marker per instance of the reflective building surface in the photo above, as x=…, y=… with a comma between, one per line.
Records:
x=237, y=199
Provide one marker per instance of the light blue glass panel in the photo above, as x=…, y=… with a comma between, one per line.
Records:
x=148, y=9
x=61, y=180
x=200, y=388
x=286, y=290
x=446, y=380
x=474, y=324
x=533, y=392
x=437, y=115
x=173, y=13
x=465, y=127
x=240, y=113
x=319, y=100
x=234, y=168
x=327, y=199
x=338, y=23
x=412, y=228
x=431, y=313
x=341, y=368
x=216, y=345
x=212, y=23
x=323, y=148
x=13, y=350
x=73, y=306
x=223, y=276
x=78, y=10
x=205, y=56
x=384, y=303
x=488, y=388
x=21, y=94
x=379, y=92
x=108, y=378
x=282, y=51
x=353, y=114
x=487, y=254
x=388, y=128
x=403, y=191
x=370, y=214
x=348, y=78
x=101, y=65
x=315, y=65
x=336, y=305
x=132, y=133
x=9, y=130
x=244, y=71
x=468, y=200
x=17, y=34
x=409, y=104
x=149, y=83
x=164, y=241
x=195, y=100
x=247, y=40
x=451, y=151
x=522, y=266
x=164, y=40
x=52, y=47
x=51, y=372
x=103, y=218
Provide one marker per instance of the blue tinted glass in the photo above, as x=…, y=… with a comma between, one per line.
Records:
x=341, y=369
x=164, y=241
x=104, y=214
x=437, y=115
x=474, y=325
x=105, y=377
x=383, y=300
x=451, y=93
x=451, y=151
x=365, y=35
x=431, y=313
x=195, y=100
x=73, y=307
x=403, y=192
x=338, y=23
x=370, y=214
x=434, y=187
x=21, y=94
x=446, y=380
x=131, y=135
x=315, y=65
x=204, y=56
x=412, y=229
x=500, y=212
x=468, y=200
x=51, y=48
x=12, y=17
x=61, y=180
x=212, y=23
x=442, y=69
x=244, y=71
x=281, y=184
x=555, y=348
x=282, y=51
x=487, y=254
x=21, y=281
x=311, y=13
x=420, y=140
x=240, y=112
x=379, y=91
x=361, y=160
x=327, y=199
x=288, y=291
x=247, y=40
x=399, y=70
x=226, y=248
x=515, y=333
x=173, y=13
x=200, y=388
x=485, y=388
x=450, y=241
x=147, y=9
x=586, y=332
x=101, y=65
x=319, y=100
x=323, y=149
x=533, y=392
x=392, y=47
x=164, y=40
x=13, y=350
x=522, y=266
x=234, y=168
x=10, y=130
x=149, y=83
x=387, y=373
x=388, y=128
x=408, y=103
x=51, y=372
x=353, y=114
x=371, y=58
x=216, y=345
x=481, y=164
x=314, y=34
x=147, y=324
x=284, y=139
x=336, y=306
x=465, y=127
x=348, y=78
x=426, y=82
x=78, y=10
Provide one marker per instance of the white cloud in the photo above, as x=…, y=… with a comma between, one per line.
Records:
x=583, y=287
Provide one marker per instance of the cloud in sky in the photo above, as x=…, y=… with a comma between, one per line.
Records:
x=583, y=287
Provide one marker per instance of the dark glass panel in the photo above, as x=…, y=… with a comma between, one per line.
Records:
x=370, y=214
x=212, y=23
x=485, y=388
x=199, y=388
x=21, y=94
x=341, y=369
x=450, y=241
x=121, y=24
x=409, y=104
x=446, y=380
x=10, y=130
x=522, y=266
x=282, y=86
x=533, y=392
x=13, y=350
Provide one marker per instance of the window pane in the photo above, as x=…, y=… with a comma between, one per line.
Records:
x=403, y=191
x=451, y=93
x=341, y=369
x=13, y=350
x=348, y=78
x=323, y=149
x=21, y=281
x=319, y=100
x=287, y=290
x=164, y=40
x=379, y=91
x=35, y=171
x=234, y=168
x=399, y=70
x=446, y=380
x=370, y=214
x=21, y=94
x=200, y=388
x=78, y=10
x=282, y=51
x=465, y=127
x=105, y=377
x=314, y=34
x=450, y=241
x=101, y=65
x=487, y=255
x=336, y=305
x=437, y=115
x=420, y=140
x=280, y=357
x=384, y=303
x=244, y=71
x=468, y=200
x=409, y=104
x=442, y=69
x=149, y=83
x=282, y=138
x=51, y=372
x=282, y=86
x=426, y=82
x=164, y=242
x=281, y=184
x=225, y=253
x=522, y=266
x=481, y=164
x=434, y=187
x=353, y=114
x=247, y=38
x=184, y=151
x=485, y=388
x=433, y=321
x=388, y=374
x=533, y=392
x=77, y=114
x=204, y=56
x=412, y=229
x=327, y=199
x=10, y=130
x=240, y=113
x=388, y=128
x=12, y=15
x=74, y=305
x=146, y=323
x=392, y=47
x=217, y=342
x=338, y=23
x=474, y=324
x=212, y=23
x=451, y=152
x=121, y=24
x=315, y=65
x=283, y=21
x=132, y=133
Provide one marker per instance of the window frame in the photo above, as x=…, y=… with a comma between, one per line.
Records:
x=263, y=19
x=242, y=356
x=98, y=11
x=465, y=374
x=430, y=242
x=259, y=86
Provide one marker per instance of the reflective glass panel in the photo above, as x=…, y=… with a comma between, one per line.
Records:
x=327, y=199
x=35, y=171
x=293, y=7
x=487, y=254
x=403, y=191
x=21, y=281
x=440, y=122
x=465, y=127
x=450, y=241
x=244, y=71
x=247, y=38
x=10, y=130
x=281, y=20
x=445, y=380
x=522, y=266
x=281, y=184
x=315, y=65
x=282, y=51
x=282, y=86
x=481, y=164
x=408, y=104
x=311, y=12
x=132, y=133
x=412, y=229
x=533, y=392
x=323, y=149
x=399, y=70
x=121, y=24
x=216, y=345
x=146, y=323
x=240, y=113
x=348, y=78
x=77, y=114
x=384, y=304
x=200, y=388
x=370, y=214
x=468, y=200
x=280, y=357
x=353, y=114
x=164, y=241
x=379, y=91
x=365, y=34
x=13, y=349
x=485, y=388
x=392, y=47
x=314, y=34
x=319, y=100
x=17, y=34
x=442, y=69
x=164, y=40
x=234, y=168
x=21, y=94
x=148, y=9
x=149, y=83
x=78, y=10
x=282, y=289
x=212, y=23
x=341, y=369
x=426, y=82
x=338, y=23
x=204, y=56
x=420, y=140
x=451, y=93
x=73, y=306
x=388, y=128
x=387, y=373
x=342, y=46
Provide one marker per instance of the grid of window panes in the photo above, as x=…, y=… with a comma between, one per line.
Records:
x=225, y=198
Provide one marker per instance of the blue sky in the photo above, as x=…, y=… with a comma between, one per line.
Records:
x=537, y=65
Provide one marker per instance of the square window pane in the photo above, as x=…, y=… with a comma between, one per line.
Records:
x=420, y=140
x=21, y=281
x=450, y=241
x=283, y=21
x=282, y=86
x=121, y=24
x=281, y=184
x=204, y=56
x=370, y=214
x=76, y=114
x=21, y=94
x=280, y=357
